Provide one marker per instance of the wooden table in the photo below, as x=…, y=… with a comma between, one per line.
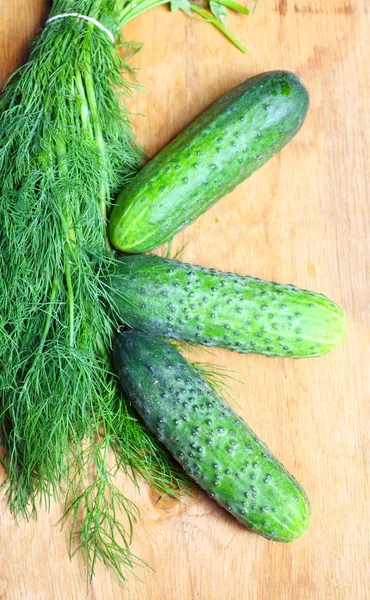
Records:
x=304, y=218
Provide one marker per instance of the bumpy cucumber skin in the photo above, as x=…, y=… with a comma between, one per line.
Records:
x=211, y=442
x=219, y=150
x=175, y=300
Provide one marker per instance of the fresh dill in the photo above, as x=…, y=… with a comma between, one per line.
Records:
x=66, y=147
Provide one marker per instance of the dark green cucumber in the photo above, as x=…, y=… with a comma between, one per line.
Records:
x=211, y=442
x=171, y=299
x=224, y=146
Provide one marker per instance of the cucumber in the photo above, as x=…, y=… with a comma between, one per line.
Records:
x=224, y=146
x=211, y=442
x=185, y=302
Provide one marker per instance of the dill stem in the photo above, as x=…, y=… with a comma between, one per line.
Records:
x=104, y=186
x=70, y=237
x=85, y=111
x=48, y=317
x=85, y=114
x=70, y=302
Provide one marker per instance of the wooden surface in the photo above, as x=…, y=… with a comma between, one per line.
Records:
x=304, y=218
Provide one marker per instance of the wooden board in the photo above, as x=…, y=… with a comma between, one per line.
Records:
x=304, y=218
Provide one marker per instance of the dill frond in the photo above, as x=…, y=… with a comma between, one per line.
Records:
x=218, y=378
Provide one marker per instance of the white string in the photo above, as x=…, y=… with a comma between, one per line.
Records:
x=90, y=19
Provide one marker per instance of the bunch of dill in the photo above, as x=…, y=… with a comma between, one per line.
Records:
x=66, y=147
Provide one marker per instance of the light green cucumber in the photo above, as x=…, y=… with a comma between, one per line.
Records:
x=211, y=442
x=219, y=150
x=175, y=300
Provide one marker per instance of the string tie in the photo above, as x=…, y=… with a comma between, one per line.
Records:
x=86, y=18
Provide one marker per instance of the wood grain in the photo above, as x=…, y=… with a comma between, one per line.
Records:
x=304, y=218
